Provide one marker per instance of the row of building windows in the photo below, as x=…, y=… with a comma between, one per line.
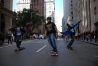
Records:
x=94, y=0
x=95, y=9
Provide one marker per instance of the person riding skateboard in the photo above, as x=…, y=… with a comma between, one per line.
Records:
x=51, y=32
x=71, y=33
x=18, y=36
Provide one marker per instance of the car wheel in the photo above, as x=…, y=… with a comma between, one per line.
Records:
x=1, y=42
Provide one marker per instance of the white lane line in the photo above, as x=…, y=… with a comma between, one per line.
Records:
x=21, y=43
x=41, y=48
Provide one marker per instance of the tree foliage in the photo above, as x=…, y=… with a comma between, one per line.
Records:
x=28, y=16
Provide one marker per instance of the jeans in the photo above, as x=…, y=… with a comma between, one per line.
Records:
x=71, y=42
x=18, y=43
x=52, y=41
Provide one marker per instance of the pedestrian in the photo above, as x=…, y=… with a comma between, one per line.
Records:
x=96, y=34
x=51, y=32
x=79, y=34
x=76, y=35
x=88, y=36
x=9, y=37
x=84, y=35
x=66, y=37
x=71, y=33
x=18, y=36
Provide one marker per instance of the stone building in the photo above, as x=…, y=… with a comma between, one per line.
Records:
x=49, y=9
x=21, y=4
x=38, y=5
x=68, y=11
x=5, y=15
x=87, y=11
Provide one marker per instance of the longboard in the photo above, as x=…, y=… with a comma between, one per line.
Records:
x=22, y=48
x=54, y=54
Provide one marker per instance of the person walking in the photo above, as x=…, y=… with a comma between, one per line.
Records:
x=71, y=33
x=18, y=36
x=96, y=34
x=51, y=31
x=9, y=37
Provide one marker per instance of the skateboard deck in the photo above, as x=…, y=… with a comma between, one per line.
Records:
x=54, y=54
x=22, y=48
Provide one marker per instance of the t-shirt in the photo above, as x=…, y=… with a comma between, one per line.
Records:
x=50, y=27
x=18, y=31
x=72, y=30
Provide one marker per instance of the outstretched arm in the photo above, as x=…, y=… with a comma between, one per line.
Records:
x=64, y=32
x=76, y=24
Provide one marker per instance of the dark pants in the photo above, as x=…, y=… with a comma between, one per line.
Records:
x=9, y=39
x=18, y=42
x=71, y=42
x=96, y=38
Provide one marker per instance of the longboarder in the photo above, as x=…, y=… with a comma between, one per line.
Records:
x=18, y=37
x=51, y=33
x=71, y=33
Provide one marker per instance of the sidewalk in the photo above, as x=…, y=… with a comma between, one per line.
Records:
x=90, y=42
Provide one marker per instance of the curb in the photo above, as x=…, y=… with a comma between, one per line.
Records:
x=90, y=43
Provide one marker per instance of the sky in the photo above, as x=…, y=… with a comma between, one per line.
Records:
x=58, y=10
x=59, y=6
x=59, y=13
x=14, y=5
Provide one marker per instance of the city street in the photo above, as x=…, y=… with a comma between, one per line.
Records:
x=37, y=53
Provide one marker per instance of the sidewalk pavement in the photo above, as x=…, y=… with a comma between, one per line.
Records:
x=90, y=42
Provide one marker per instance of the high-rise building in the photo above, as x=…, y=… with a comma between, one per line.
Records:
x=68, y=12
x=86, y=10
x=21, y=4
x=49, y=9
x=38, y=5
x=5, y=15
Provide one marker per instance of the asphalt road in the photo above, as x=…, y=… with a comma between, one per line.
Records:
x=37, y=53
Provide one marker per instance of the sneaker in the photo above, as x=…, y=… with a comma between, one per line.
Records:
x=71, y=48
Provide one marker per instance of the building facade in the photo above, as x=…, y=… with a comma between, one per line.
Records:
x=68, y=12
x=21, y=4
x=49, y=9
x=87, y=11
x=38, y=5
x=5, y=15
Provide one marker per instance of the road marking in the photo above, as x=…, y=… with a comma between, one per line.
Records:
x=21, y=43
x=41, y=48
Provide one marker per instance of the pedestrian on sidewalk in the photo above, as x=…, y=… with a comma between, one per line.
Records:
x=71, y=33
x=18, y=36
x=51, y=32
x=9, y=37
x=96, y=35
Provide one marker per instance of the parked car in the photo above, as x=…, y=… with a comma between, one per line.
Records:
x=41, y=36
x=1, y=38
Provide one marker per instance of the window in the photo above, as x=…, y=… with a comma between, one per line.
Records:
x=95, y=10
x=94, y=0
x=71, y=1
x=71, y=5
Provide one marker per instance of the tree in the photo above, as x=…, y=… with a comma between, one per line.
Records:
x=27, y=16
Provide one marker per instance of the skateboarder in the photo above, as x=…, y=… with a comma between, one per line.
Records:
x=51, y=32
x=71, y=33
x=18, y=36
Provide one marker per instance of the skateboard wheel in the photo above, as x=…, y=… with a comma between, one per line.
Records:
x=56, y=54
